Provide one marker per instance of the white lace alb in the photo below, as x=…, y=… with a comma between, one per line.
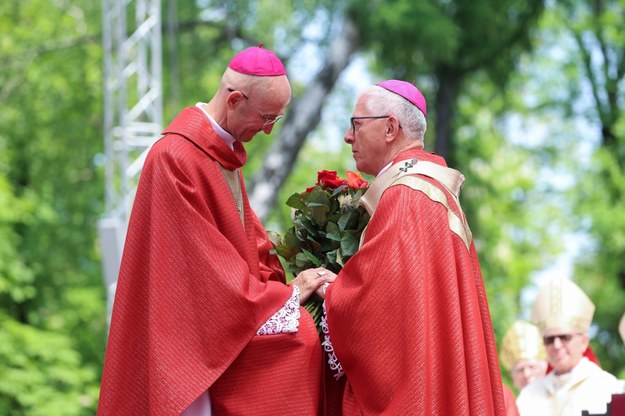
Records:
x=333, y=360
x=286, y=320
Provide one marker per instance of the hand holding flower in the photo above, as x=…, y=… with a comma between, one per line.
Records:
x=328, y=221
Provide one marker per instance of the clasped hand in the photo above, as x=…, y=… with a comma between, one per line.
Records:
x=313, y=280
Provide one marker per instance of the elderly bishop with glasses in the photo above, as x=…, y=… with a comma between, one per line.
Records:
x=563, y=313
x=409, y=329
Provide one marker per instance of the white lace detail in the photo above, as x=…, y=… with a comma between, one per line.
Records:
x=286, y=320
x=333, y=360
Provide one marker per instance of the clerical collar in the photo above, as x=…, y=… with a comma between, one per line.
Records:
x=573, y=370
x=225, y=136
x=384, y=169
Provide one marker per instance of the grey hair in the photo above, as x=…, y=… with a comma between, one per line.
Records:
x=381, y=101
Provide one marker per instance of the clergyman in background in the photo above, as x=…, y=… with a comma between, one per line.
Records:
x=522, y=353
x=563, y=313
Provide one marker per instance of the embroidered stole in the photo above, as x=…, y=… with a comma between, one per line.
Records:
x=233, y=180
x=403, y=173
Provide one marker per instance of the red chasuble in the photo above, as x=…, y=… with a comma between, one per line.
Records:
x=408, y=315
x=194, y=287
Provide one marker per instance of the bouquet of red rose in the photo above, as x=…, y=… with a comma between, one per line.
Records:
x=328, y=220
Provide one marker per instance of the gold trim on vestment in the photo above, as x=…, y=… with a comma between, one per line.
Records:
x=233, y=180
x=456, y=224
x=450, y=178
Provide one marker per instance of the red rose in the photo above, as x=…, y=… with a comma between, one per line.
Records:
x=355, y=180
x=329, y=179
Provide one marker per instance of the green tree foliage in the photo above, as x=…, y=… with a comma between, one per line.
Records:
x=463, y=54
x=512, y=221
x=594, y=67
x=444, y=43
x=52, y=327
x=42, y=373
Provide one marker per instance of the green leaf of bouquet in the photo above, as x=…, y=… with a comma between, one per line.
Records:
x=339, y=190
x=331, y=256
x=317, y=197
x=328, y=245
x=295, y=201
x=286, y=252
x=356, y=197
x=274, y=237
x=311, y=227
x=332, y=231
x=314, y=306
x=301, y=234
x=291, y=240
x=339, y=257
x=364, y=218
x=346, y=220
x=314, y=259
x=349, y=245
x=319, y=213
x=302, y=261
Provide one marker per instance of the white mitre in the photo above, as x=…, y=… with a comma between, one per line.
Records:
x=562, y=305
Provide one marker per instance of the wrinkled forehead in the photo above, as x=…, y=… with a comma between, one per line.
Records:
x=362, y=107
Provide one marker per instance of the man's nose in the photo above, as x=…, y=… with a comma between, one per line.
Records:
x=349, y=136
x=267, y=129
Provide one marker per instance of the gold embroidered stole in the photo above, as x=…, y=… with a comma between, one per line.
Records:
x=402, y=173
x=233, y=180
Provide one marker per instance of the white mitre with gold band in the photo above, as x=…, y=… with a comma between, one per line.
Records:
x=522, y=341
x=621, y=328
x=561, y=304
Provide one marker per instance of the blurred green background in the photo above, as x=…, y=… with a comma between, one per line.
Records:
x=525, y=97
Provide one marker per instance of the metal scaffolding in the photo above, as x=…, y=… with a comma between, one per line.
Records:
x=133, y=115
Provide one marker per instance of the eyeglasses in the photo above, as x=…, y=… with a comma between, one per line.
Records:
x=351, y=121
x=268, y=121
x=564, y=338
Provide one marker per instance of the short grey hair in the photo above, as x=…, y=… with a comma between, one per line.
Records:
x=381, y=101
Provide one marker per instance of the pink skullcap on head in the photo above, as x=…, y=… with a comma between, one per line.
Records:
x=257, y=61
x=406, y=90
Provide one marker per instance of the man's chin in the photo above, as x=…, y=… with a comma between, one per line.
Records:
x=246, y=138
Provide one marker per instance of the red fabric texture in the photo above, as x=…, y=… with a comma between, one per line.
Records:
x=408, y=315
x=194, y=287
x=510, y=401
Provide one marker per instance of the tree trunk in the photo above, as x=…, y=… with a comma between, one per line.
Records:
x=446, y=94
x=304, y=115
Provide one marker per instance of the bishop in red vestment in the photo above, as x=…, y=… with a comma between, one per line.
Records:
x=198, y=278
x=407, y=317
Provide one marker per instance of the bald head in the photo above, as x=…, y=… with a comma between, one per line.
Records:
x=246, y=104
x=253, y=94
